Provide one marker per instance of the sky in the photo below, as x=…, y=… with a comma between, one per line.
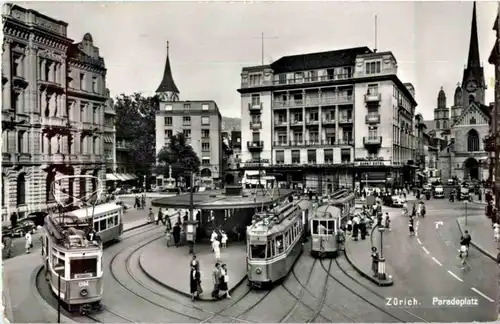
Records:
x=211, y=41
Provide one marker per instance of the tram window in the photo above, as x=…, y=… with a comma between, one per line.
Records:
x=315, y=224
x=287, y=239
x=86, y=267
x=279, y=244
x=111, y=222
x=270, y=249
x=115, y=218
x=59, y=266
x=102, y=225
x=258, y=251
x=96, y=226
x=330, y=226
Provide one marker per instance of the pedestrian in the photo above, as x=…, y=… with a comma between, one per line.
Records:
x=362, y=227
x=223, y=239
x=151, y=216
x=143, y=202
x=137, y=203
x=216, y=248
x=182, y=240
x=375, y=259
x=176, y=231
x=355, y=229
x=496, y=232
x=349, y=226
x=13, y=220
x=7, y=242
x=216, y=279
x=387, y=221
x=223, y=283
x=410, y=226
x=195, y=263
x=195, y=283
x=160, y=217
x=28, y=244
x=341, y=239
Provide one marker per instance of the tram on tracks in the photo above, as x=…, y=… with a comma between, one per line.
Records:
x=72, y=259
x=326, y=221
x=107, y=220
x=275, y=241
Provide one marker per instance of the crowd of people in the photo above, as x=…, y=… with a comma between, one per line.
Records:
x=220, y=280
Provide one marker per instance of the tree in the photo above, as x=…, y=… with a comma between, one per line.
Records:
x=179, y=155
x=135, y=122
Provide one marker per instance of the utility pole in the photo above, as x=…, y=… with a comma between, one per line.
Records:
x=191, y=213
x=262, y=38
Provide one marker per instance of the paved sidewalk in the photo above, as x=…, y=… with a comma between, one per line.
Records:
x=358, y=254
x=169, y=266
x=481, y=231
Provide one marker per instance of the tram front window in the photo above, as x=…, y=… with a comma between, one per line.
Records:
x=258, y=251
x=83, y=268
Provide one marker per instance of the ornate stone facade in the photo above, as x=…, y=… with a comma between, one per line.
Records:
x=53, y=103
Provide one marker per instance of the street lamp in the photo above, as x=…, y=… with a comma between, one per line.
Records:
x=144, y=185
x=191, y=223
x=381, y=260
x=465, y=202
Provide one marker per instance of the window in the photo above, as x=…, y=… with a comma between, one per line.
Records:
x=21, y=189
x=330, y=73
x=186, y=133
x=311, y=156
x=328, y=155
x=313, y=75
x=168, y=121
x=205, y=133
x=58, y=264
x=256, y=137
x=168, y=107
x=282, y=138
x=472, y=121
x=94, y=84
x=205, y=147
x=345, y=155
x=205, y=161
x=255, y=99
x=372, y=89
x=372, y=132
x=472, y=141
x=438, y=124
x=82, y=81
x=205, y=107
x=372, y=67
x=313, y=137
x=82, y=112
x=255, y=79
x=20, y=141
x=313, y=116
x=271, y=251
x=280, y=157
x=205, y=120
x=297, y=137
x=255, y=156
x=17, y=66
x=296, y=156
x=83, y=268
x=282, y=118
x=186, y=121
x=280, y=247
x=258, y=251
x=168, y=133
x=187, y=106
x=94, y=145
x=282, y=78
x=16, y=98
x=297, y=117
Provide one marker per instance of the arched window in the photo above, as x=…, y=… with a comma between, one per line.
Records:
x=472, y=121
x=472, y=141
x=445, y=124
x=21, y=189
x=437, y=125
x=49, y=195
x=471, y=99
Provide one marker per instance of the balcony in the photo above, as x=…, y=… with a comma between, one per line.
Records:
x=313, y=102
x=295, y=123
x=345, y=120
x=372, y=118
x=255, y=146
x=312, y=122
x=372, y=141
x=255, y=108
x=255, y=163
x=314, y=79
x=328, y=121
x=280, y=123
x=50, y=85
x=19, y=81
x=372, y=97
x=255, y=125
x=346, y=142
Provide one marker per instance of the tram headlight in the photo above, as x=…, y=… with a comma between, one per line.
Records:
x=84, y=292
x=258, y=270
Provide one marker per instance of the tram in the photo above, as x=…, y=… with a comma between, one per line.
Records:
x=326, y=221
x=275, y=241
x=72, y=259
x=108, y=220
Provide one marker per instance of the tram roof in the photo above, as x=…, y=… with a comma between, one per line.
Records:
x=90, y=211
x=322, y=210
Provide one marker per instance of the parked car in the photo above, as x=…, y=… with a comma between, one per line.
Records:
x=439, y=192
x=23, y=226
x=393, y=201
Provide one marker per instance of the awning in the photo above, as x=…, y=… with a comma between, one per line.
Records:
x=111, y=177
x=132, y=176
x=252, y=172
x=108, y=139
x=120, y=177
x=128, y=176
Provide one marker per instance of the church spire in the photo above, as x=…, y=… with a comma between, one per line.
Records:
x=473, y=59
x=167, y=85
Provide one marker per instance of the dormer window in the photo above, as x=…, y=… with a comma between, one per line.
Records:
x=372, y=67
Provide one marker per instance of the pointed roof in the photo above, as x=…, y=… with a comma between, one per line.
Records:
x=167, y=83
x=473, y=68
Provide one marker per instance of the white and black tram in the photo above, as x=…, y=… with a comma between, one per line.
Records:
x=275, y=241
x=72, y=259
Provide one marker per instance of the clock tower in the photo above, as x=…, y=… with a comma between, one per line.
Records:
x=473, y=84
x=167, y=90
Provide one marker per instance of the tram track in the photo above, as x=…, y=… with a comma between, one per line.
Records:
x=399, y=318
x=106, y=310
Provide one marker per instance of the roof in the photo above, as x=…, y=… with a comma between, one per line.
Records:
x=474, y=68
x=429, y=124
x=167, y=84
x=483, y=108
x=90, y=211
x=321, y=60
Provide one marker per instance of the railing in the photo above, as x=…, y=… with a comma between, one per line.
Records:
x=345, y=120
x=328, y=121
x=280, y=123
x=256, y=125
x=345, y=142
x=296, y=122
x=311, y=143
x=312, y=122
x=372, y=140
x=372, y=97
x=255, y=107
x=315, y=79
x=308, y=102
x=255, y=144
x=123, y=145
x=372, y=118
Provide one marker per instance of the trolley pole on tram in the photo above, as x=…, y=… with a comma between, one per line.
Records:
x=58, y=297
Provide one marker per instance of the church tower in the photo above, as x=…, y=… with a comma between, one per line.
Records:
x=167, y=90
x=473, y=83
x=441, y=113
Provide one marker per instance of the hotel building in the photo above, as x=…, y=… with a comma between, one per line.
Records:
x=330, y=119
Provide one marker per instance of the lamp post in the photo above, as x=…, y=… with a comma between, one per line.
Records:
x=381, y=260
x=465, y=202
x=144, y=185
x=191, y=223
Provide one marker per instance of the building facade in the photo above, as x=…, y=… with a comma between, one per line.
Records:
x=54, y=97
x=199, y=121
x=323, y=120
x=465, y=156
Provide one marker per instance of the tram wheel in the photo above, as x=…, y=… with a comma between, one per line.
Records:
x=85, y=309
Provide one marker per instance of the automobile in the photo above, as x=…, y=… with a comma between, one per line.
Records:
x=464, y=192
x=451, y=182
x=439, y=192
x=427, y=187
x=6, y=231
x=23, y=226
x=393, y=201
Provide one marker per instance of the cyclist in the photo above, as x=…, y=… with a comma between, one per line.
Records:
x=463, y=255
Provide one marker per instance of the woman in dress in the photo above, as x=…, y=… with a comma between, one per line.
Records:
x=29, y=243
x=223, y=284
x=194, y=283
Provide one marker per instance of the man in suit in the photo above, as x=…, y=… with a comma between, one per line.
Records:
x=194, y=283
